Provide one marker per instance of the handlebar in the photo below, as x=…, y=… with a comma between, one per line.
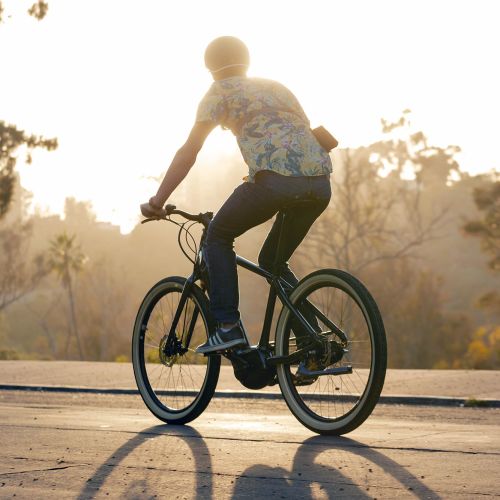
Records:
x=202, y=218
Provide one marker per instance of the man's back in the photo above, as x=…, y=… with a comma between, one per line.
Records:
x=271, y=127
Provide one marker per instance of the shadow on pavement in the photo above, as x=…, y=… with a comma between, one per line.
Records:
x=305, y=472
x=139, y=488
x=401, y=474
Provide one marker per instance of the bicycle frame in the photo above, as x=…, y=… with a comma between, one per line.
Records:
x=278, y=289
x=305, y=346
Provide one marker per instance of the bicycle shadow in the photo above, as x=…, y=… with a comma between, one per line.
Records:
x=306, y=474
x=139, y=488
x=302, y=481
x=401, y=474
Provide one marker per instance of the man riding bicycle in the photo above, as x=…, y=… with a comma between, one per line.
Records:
x=286, y=163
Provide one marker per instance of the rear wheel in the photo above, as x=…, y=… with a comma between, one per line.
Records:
x=328, y=403
x=174, y=381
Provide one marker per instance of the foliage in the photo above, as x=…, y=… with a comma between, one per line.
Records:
x=102, y=295
x=420, y=332
x=395, y=222
x=488, y=228
x=11, y=139
x=408, y=152
x=8, y=354
x=379, y=218
x=65, y=258
x=490, y=302
x=392, y=201
x=38, y=10
x=20, y=275
x=100, y=308
x=484, y=350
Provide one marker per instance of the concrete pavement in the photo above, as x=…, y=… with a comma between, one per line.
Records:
x=98, y=446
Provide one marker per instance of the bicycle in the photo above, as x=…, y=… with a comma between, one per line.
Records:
x=328, y=355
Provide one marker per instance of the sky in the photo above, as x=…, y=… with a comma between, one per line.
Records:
x=118, y=82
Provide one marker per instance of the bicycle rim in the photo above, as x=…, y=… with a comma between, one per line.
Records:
x=176, y=387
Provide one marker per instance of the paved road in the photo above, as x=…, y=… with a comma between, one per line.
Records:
x=100, y=446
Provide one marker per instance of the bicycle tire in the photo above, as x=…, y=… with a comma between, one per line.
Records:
x=177, y=397
x=325, y=413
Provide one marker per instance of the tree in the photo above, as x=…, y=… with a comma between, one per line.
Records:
x=43, y=321
x=11, y=139
x=386, y=207
x=66, y=259
x=421, y=332
x=38, y=10
x=487, y=229
x=105, y=301
x=377, y=215
x=483, y=352
x=19, y=276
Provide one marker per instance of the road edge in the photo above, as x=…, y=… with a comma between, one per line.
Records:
x=384, y=399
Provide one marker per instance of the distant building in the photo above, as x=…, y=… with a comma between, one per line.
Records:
x=108, y=226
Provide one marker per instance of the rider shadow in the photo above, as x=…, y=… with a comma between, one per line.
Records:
x=141, y=488
x=306, y=474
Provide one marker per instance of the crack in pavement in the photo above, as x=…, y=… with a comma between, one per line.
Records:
x=261, y=440
x=42, y=470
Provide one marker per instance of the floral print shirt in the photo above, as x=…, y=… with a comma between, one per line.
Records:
x=271, y=128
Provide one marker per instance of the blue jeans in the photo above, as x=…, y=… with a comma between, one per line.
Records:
x=252, y=204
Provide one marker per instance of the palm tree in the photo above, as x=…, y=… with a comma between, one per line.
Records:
x=65, y=259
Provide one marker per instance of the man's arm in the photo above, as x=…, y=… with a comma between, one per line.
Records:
x=183, y=160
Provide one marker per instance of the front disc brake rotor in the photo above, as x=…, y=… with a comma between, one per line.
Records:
x=169, y=354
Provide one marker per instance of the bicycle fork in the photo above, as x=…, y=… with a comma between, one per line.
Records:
x=173, y=345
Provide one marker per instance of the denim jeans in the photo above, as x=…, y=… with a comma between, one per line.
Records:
x=248, y=206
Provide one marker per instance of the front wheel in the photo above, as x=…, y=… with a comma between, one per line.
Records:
x=345, y=316
x=174, y=381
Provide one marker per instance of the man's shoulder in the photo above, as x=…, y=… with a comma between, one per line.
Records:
x=267, y=82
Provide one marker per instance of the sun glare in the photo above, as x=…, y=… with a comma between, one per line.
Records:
x=119, y=84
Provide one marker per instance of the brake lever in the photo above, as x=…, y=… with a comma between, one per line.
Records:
x=169, y=209
x=150, y=219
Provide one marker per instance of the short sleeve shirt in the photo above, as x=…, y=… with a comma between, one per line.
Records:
x=271, y=128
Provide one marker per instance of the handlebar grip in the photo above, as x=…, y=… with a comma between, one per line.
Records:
x=169, y=209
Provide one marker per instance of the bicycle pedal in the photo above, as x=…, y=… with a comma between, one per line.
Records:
x=340, y=370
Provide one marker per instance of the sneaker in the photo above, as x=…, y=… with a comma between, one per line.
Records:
x=222, y=340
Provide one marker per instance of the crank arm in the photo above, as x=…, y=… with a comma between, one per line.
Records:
x=291, y=358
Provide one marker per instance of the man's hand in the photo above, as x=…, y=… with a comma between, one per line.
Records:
x=152, y=212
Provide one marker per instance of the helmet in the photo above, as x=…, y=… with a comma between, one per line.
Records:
x=226, y=52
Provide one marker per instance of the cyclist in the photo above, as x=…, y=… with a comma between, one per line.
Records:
x=285, y=161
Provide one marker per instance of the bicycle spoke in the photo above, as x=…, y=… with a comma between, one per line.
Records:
x=176, y=379
x=326, y=395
